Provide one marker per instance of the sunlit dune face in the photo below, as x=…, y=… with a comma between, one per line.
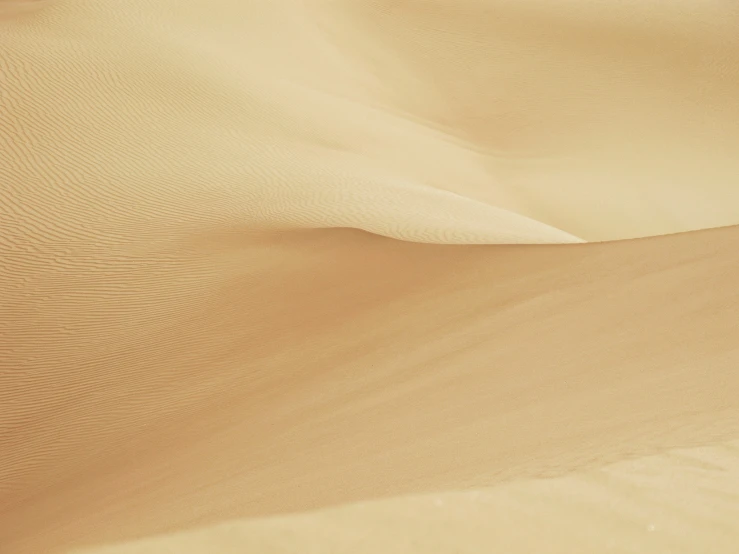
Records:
x=290, y=276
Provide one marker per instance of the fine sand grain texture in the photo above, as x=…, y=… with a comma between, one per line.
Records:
x=370, y=276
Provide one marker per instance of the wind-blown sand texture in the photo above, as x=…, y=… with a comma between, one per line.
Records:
x=369, y=276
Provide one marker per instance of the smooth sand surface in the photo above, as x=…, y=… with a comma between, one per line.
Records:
x=656, y=505
x=311, y=276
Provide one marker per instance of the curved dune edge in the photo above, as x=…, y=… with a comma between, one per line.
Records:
x=685, y=501
x=471, y=122
x=206, y=315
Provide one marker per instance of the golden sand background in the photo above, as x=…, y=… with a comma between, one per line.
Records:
x=309, y=276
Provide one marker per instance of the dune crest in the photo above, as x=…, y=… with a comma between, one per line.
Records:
x=467, y=122
x=260, y=258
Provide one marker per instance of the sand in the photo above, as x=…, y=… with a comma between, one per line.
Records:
x=373, y=276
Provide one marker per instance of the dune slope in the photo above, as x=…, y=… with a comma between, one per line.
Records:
x=260, y=258
x=342, y=366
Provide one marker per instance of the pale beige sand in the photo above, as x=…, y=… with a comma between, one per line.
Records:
x=684, y=502
x=207, y=314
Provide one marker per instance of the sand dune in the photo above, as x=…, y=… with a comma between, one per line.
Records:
x=294, y=275
x=331, y=379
